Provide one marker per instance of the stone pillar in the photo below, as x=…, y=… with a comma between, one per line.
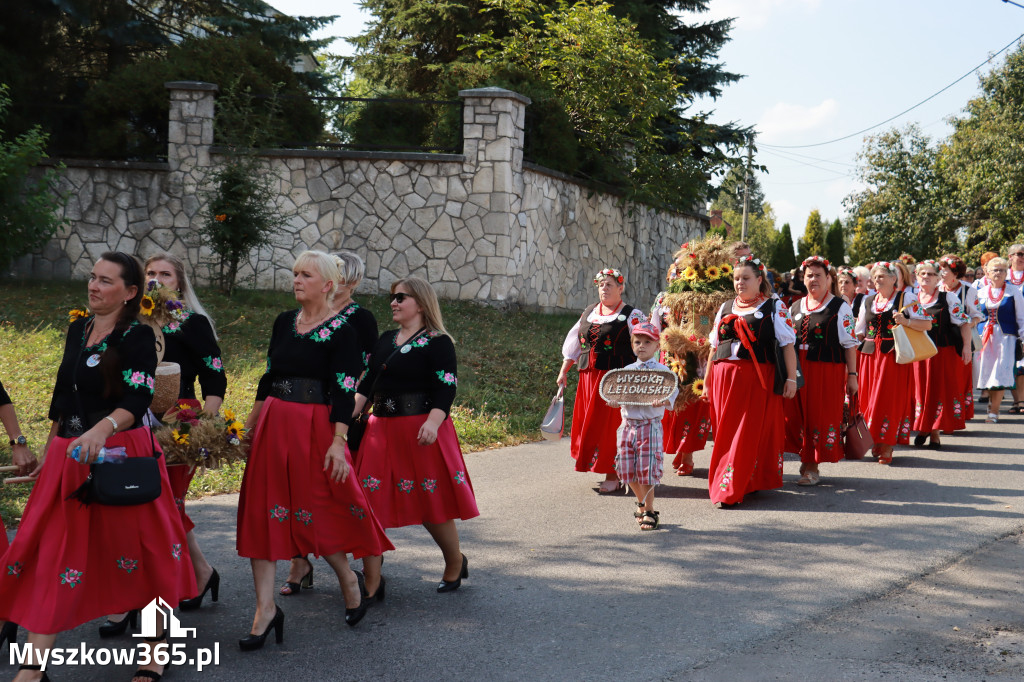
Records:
x=493, y=130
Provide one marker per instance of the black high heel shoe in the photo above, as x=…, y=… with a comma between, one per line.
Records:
x=114, y=628
x=305, y=582
x=253, y=642
x=378, y=596
x=9, y=633
x=44, y=678
x=212, y=586
x=152, y=674
x=445, y=586
x=353, y=616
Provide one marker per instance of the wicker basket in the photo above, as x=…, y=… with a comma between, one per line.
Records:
x=167, y=387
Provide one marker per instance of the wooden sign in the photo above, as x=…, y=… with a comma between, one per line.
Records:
x=637, y=386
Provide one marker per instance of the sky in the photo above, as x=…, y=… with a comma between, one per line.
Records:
x=817, y=70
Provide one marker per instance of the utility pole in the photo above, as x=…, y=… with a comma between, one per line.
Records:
x=746, y=188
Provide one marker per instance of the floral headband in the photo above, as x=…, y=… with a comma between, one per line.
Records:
x=750, y=260
x=927, y=263
x=951, y=262
x=816, y=260
x=906, y=259
x=887, y=265
x=847, y=272
x=609, y=272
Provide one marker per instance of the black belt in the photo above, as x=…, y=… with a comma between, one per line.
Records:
x=74, y=426
x=299, y=390
x=401, y=404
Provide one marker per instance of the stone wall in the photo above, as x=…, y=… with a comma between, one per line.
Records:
x=479, y=225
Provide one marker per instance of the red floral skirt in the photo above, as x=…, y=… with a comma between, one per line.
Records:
x=594, y=426
x=70, y=563
x=180, y=476
x=886, y=391
x=747, y=422
x=814, y=418
x=288, y=504
x=939, y=402
x=686, y=430
x=410, y=484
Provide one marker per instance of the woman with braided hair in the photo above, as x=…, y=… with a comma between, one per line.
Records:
x=746, y=414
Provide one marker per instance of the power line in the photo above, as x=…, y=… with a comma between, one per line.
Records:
x=905, y=111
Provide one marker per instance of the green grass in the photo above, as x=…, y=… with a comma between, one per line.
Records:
x=508, y=362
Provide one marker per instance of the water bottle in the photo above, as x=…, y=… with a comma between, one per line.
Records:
x=107, y=455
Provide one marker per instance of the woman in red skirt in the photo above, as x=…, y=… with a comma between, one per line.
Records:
x=298, y=494
x=22, y=458
x=597, y=343
x=191, y=342
x=412, y=468
x=952, y=271
x=828, y=355
x=746, y=414
x=939, y=400
x=72, y=562
x=685, y=430
x=887, y=387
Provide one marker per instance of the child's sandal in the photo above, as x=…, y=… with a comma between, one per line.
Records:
x=650, y=521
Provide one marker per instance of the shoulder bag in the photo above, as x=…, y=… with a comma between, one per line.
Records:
x=857, y=440
x=912, y=345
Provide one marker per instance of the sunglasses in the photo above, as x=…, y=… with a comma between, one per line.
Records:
x=401, y=296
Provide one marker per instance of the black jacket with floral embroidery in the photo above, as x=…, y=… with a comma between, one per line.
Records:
x=192, y=344
x=328, y=353
x=425, y=363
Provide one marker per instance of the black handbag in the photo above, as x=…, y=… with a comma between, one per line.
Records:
x=357, y=428
x=780, y=370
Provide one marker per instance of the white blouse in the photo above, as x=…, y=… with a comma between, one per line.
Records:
x=571, y=349
x=784, y=331
x=970, y=300
x=958, y=313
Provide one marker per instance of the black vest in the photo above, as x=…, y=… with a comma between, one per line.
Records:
x=858, y=301
x=608, y=343
x=819, y=331
x=763, y=329
x=879, y=327
x=943, y=332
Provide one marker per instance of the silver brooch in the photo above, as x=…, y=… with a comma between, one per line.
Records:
x=389, y=405
x=406, y=348
x=284, y=386
x=621, y=318
x=93, y=360
x=75, y=424
x=798, y=316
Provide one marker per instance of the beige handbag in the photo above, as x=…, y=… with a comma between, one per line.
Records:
x=912, y=345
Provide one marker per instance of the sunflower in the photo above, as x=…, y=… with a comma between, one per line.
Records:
x=76, y=314
x=179, y=437
x=697, y=387
x=690, y=273
x=713, y=273
x=146, y=305
x=229, y=414
x=726, y=269
x=235, y=429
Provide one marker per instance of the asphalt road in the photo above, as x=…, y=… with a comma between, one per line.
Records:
x=908, y=572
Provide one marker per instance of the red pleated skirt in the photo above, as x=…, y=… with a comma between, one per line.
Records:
x=686, y=430
x=594, y=425
x=4, y=542
x=939, y=401
x=814, y=418
x=747, y=422
x=288, y=504
x=410, y=484
x=887, y=391
x=180, y=476
x=70, y=563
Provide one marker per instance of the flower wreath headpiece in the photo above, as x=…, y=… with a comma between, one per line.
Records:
x=609, y=272
x=927, y=263
x=816, y=260
x=750, y=260
x=951, y=262
x=888, y=266
x=848, y=271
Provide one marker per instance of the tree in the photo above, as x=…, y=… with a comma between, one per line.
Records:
x=834, y=243
x=28, y=204
x=983, y=161
x=813, y=241
x=730, y=192
x=761, y=232
x=783, y=256
x=904, y=207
